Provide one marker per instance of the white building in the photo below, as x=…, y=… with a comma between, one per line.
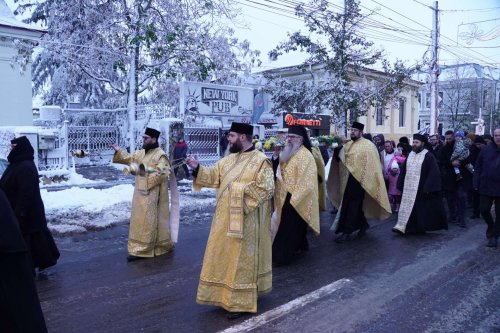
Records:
x=394, y=120
x=465, y=91
x=15, y=79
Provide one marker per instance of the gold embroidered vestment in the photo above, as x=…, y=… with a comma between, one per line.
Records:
x=361, y=159
x=299, y=177
x=149, y=233
x=237, y=262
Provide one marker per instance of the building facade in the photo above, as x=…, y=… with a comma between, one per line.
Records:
x=15, y=76
x=467, y=92
x=394, y=120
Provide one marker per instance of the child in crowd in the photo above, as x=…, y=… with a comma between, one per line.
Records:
x=391, y=175
x=460, y=153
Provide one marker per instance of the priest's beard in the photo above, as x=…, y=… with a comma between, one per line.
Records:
x=417, y=148
x=288, y=151
x=149, y=146
x=236, y=147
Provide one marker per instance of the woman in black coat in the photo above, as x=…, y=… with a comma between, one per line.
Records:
x=20, y=309
x=20, y=183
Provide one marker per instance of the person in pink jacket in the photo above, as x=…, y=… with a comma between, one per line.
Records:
x=391, y=175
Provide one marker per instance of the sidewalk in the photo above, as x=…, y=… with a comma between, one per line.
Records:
x=107, y=173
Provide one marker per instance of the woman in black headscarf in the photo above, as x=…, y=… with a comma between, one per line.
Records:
x=19, y=305
x=20, y=182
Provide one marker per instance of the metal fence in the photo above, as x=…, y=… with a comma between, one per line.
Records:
x=203, y=142
x=94, y=130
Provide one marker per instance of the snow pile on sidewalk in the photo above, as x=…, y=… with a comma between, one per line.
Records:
x=83, y=209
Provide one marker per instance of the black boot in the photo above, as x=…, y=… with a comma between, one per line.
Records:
x=343, y=238
x=131, y=258
x=234, y=315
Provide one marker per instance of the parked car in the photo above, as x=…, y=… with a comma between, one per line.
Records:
x=3, y=165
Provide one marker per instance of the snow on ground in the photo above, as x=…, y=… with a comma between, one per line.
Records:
x=76, y=210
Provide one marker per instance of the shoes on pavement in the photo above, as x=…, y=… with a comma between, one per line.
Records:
x=474, y=216
x=361, y=233
x=131, y=258
x=234, y=315
x=343, y=238
x=397, y=231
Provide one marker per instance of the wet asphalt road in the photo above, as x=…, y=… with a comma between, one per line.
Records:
x=441, y=282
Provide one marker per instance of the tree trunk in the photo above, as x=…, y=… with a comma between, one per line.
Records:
x=132, y=101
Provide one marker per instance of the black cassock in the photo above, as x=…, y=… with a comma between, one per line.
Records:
x=428, y=213
x=20, y=185
x=291, y=236
x=20, y=309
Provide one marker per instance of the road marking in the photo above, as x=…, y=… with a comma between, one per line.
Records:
x=286, y=308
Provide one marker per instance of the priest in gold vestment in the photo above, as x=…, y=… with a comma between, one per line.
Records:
x=237, y=262
x=296, y=197
x=356, y=185
x=149, y=233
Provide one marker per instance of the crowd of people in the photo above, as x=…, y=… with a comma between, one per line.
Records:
x=266, y=206
x=460, y=170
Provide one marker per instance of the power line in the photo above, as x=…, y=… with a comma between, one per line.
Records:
x=466, y=53
x=468, y=10
x=423, y=4
x=408, y=36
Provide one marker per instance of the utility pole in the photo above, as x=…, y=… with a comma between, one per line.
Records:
x=343, y=106
x=434, y=71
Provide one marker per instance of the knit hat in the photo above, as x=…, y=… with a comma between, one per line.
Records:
x=460, y=134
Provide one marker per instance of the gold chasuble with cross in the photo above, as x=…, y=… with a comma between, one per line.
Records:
x=237, y=261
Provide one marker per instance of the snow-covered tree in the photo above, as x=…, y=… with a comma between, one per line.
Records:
x=120, y=51
x=335, y=42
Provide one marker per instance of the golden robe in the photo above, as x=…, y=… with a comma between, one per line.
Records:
x=361, y=159
x=320, y=165
x=237, y=262
x=149, y=233
x=299, y=177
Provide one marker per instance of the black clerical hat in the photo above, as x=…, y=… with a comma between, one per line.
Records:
x=298, y=130
x=152, y=132
x=419, y=137
x=241, y=128
x=357, y=125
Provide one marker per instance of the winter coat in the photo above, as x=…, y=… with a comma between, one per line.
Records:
x=18, y=290
x=448, y=175
x=180, y=150
x=381, y=145
x=392, y=179
x=487, y=171
x=20, y=183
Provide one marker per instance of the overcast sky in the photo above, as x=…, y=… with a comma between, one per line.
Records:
x=269, y=25
x=269, y=21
